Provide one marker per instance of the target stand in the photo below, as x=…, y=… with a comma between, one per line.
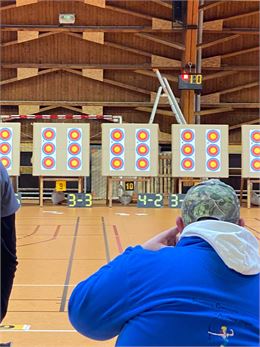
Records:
x=188, y=182
x=43, y=179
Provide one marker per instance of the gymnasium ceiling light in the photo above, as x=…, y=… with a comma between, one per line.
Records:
x=67, y=18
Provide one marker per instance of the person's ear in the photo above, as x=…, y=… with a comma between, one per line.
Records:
x=241, y=222
x=180, y=224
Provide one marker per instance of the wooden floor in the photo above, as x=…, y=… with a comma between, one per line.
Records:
x=57, y=248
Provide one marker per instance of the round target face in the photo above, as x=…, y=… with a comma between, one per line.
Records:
x=48, y=148
x=5, y=134
x=213, y=136
x=213, y=150
x=74, y=148
x=255, y=136
x=187, y=164
x=255, y=150
x=74, y=163
x=213, y=164
x=117, y=163
x=117, y=135
x=142, y=164
x=74, y=134
x=142, y=149
x=117, y=149
x=49, y=134
x=187, y=149
x=142, y=135
x=255, y=164
x=48, y=163
x=6, y=162
x=5, y=148
x=187, y=135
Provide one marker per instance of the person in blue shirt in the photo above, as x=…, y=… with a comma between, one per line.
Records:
x=196, y=284
x=8, y=207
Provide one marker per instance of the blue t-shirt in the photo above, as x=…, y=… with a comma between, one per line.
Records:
x=8, y=202
x=178, y=296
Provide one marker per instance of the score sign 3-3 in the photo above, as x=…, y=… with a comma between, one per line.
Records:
x=79, y=200
x=150, y=200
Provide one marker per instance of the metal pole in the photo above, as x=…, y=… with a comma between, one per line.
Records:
x=155, y=105
x=199, y=59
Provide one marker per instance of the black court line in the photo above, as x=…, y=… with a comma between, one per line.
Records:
x=72, y=252
x=105, y=239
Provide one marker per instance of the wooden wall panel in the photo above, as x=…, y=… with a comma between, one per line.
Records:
x=47, y=12
x=48, y=87
x=230, y=8
x=244, y=95
x=242, y=59
x=7, y=74
x=7, y=36
x=62, y=48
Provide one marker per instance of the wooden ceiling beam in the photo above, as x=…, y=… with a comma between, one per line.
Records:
x=16, y=42
x=232, y=104
x=152, y=74
x=114, y=83
x=242, y=15
x=211, y=5
x=129, y=12
x=213, y=111
x=15, y=79
x=219, y=41
x=158, y=111
x=235, y=89
x=176, y=45
x=241, y=51
x=237, y=126
x=241, y=31
x=216, y=75
x=163, y=3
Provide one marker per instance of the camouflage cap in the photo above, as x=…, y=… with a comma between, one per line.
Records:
x=211, y=199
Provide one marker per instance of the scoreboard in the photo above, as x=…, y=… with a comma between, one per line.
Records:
x=188, y=81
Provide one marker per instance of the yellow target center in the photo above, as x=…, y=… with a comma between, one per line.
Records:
x=257, y=164
x=4, y=162
x=4, y=148
x=187, y=136
x=256, y=136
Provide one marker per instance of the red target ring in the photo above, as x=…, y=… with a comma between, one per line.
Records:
x=142, y=164
x=187, y=135
x=187, y=149
x=5, y=134
x=48, y=148
x=117, y=163
x=142, y=135
x=74, y=148
x=6, y=162
x=255, y=136
x=187, y=164
x=74, y=134
x=213, y=136
x=117, y=135
x=74, y=163
x=255, y=150
x=255, y=164
x=213, y=150
x=48, y=163
x=213, y=164
x=117, y=149
x=5, y=148
x=142, y=149
x=49, y=134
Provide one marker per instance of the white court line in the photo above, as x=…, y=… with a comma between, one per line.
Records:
x=44, y=285
x=37, y=331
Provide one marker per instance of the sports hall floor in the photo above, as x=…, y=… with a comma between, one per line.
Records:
x=58, y=247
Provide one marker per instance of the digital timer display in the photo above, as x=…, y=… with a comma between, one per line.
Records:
x=188, y=81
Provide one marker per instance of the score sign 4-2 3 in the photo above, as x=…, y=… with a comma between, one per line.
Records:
x=79, y=200
x=175, y=200
x=150, y=200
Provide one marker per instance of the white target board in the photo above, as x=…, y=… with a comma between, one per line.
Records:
x=251, y=151
x=10, y=147
x=130, y=150
x=60, y=149
x=200, y=150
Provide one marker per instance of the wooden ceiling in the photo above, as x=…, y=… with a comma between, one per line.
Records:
x=103, y=64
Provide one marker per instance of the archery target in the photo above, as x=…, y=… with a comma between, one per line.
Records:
x=213, y=150
x=74, y=149
x=142, y=145
x=48, y=148
x=129, y=149
x=254, y=151
x=117, y=149
x=6, y=147
x=187, y=150
x=5, y=134
x=199, y=150
x=61, y=149
x=6, y=162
